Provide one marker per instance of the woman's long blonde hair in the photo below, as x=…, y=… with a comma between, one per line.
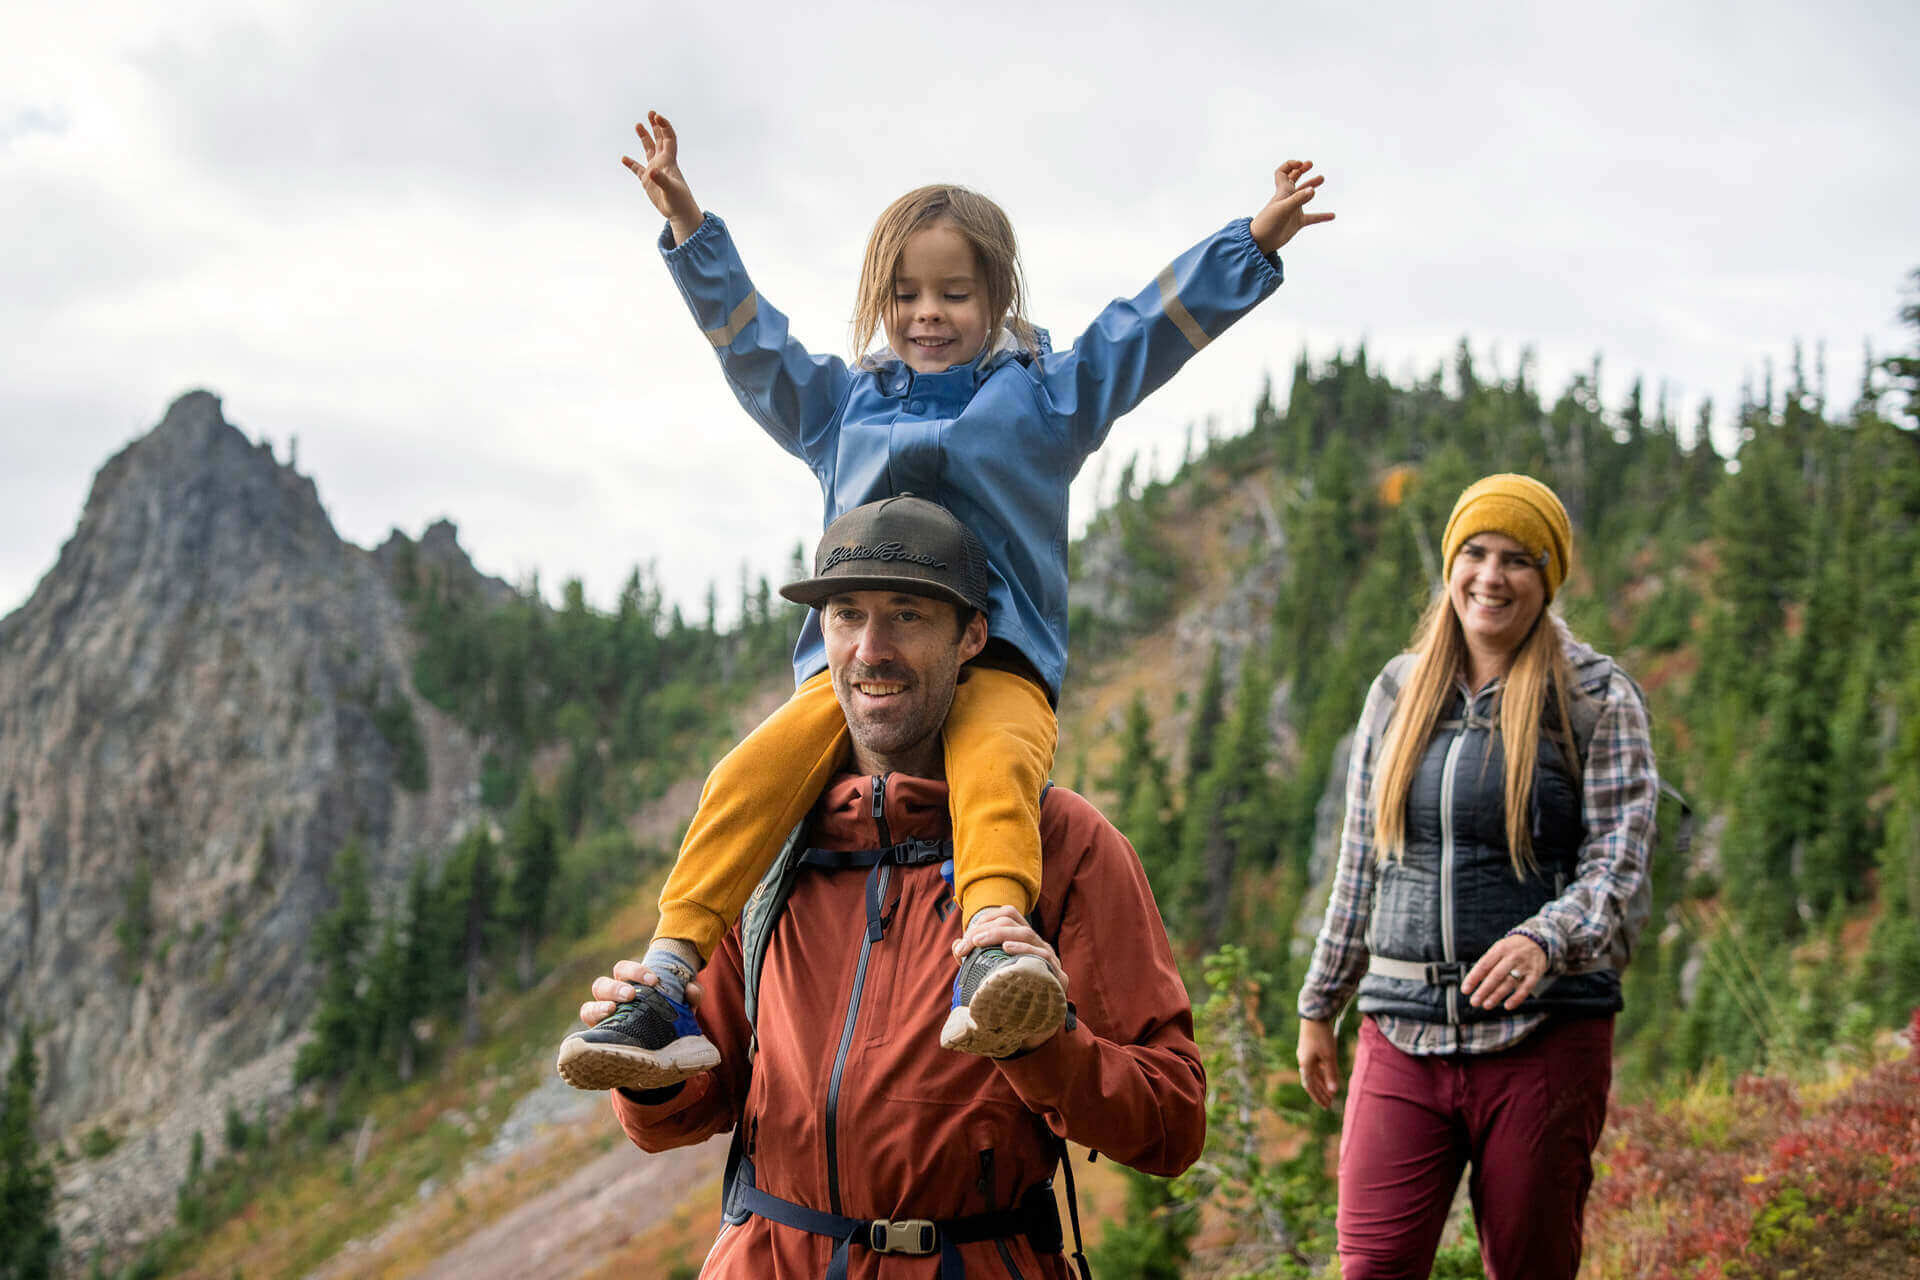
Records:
x=1540, y=671
x=986, y=228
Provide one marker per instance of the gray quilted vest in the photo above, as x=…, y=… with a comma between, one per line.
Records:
x=1453, y=893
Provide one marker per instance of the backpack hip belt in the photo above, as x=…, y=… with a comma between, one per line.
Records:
x=1036, y=1217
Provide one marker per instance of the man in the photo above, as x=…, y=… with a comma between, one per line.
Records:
x=854, y=1143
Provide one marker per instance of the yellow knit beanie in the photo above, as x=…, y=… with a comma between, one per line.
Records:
x=1523, y=509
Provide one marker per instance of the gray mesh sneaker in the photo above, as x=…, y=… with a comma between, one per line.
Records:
x=645, y=1043
x=1000, y=1002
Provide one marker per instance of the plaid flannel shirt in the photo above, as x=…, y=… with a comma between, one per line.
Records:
x=1620, y=790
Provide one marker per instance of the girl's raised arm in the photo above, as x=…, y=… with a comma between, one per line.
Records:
x=666, y=186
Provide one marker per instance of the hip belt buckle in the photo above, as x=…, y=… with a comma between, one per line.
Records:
x=1445, y=973
x=909, y=1235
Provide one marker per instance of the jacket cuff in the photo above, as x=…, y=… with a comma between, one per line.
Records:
x=710, y=228
x=645, y=1107
x=1545, y=932
x=1318, y=1008
x=1241, y=230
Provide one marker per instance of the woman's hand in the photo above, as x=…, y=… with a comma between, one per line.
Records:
x=1507, y=974
x=1281, y=217
x=666, y=186
x=1319, y=1055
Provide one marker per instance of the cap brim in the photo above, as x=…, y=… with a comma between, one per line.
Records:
x=814, y=592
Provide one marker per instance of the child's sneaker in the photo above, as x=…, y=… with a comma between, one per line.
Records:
x=1000, y=1002
x=645, y=1043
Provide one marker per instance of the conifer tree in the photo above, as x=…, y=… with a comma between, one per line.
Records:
x=1137, y=759
x=29, y=1236
x=388, y=1023
x=1906, y=368
x=1891, y=973
x=1142, y=799
x=1759, y=531
x=1229, y=816
x=418, y=970
x=340, y=1023
x=1767, y=843
x=1207, y=711
x=472, y=889
x=533, y=858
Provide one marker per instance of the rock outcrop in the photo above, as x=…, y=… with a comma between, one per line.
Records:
x=202, y=701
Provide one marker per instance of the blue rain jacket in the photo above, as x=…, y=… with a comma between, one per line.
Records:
x=996, y=441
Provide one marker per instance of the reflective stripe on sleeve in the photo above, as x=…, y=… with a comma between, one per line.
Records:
x=741, y=317
x=1177, y=311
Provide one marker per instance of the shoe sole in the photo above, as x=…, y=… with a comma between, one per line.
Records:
x=1014, y=1004
x=587, y=1065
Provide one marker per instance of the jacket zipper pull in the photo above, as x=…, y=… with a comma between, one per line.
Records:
x=880, y=809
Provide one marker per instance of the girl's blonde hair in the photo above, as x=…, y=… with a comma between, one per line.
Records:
x=1540, y=671
x=986, y=228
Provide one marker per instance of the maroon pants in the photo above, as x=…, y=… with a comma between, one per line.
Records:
x=1527, y=1120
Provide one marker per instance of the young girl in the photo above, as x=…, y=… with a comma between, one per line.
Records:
x=970, y=407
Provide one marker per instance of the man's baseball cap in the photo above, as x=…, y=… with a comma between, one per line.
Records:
x=902, y=543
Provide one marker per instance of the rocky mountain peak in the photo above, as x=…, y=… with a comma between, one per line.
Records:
x=438, y=552
x=192, y=498
x=198, y=708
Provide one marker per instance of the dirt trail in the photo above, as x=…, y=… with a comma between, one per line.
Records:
x=564, y=1231
x=550, y=1204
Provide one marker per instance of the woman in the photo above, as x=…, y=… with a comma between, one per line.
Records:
x=1500, y=807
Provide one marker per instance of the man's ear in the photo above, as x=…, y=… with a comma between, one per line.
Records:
x=974, y=638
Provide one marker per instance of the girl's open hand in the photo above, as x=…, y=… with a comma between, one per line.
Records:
x=1283, y=216
x=666, y=186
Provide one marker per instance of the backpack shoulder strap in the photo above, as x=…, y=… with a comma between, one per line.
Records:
x=1586, y=719
x=757, y=920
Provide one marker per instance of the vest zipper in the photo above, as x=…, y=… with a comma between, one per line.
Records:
x=1446, y=858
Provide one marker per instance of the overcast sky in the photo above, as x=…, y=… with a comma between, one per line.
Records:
x=400, y=231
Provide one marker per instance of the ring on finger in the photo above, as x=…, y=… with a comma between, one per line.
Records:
x=1516, y=975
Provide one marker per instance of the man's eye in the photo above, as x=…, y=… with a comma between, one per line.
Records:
x=908, y=615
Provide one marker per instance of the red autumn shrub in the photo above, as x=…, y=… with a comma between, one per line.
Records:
x=1763, y=1182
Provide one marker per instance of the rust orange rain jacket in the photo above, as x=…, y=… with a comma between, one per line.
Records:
x=853, y=1108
